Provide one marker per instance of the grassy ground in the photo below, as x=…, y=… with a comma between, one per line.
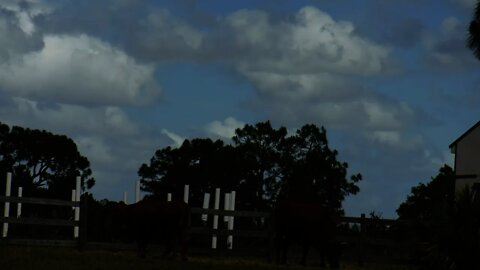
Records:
x=20, y=258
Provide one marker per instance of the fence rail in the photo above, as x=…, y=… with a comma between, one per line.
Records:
x=41, y=201
x=359, y=242
x=224, y=232
x=366, y=220
x=39, y=221
x=39, y=242
x=266, y=232
x=230, y=213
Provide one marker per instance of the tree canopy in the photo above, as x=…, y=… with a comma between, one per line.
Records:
x=201, y=163
x=426, y=200
x=261, y=164
x=312, y=170
x=447, y=221
x=42, y=162
x=473, y=40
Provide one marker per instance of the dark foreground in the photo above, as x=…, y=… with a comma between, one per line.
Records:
x=39, y=258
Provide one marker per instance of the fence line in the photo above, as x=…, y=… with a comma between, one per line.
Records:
x=228, y=214
x=40, y=221
x=41, y=201
x=19, y=199
x=40, y=242
x=6, y=211
x=359, y=242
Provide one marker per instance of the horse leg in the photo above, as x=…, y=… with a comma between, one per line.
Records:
x=284, y=250
x=142, y=248
x=278, y=249
x=323, y=252
x=281, y=247
x=183, y=246
x=167, y=253
x=333, y=255
x=305, y=248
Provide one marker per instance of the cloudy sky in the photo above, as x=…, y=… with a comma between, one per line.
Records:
x=391, y=81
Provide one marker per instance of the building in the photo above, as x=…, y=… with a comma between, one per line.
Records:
x=467, y=158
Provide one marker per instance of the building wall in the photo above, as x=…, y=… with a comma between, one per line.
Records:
x=467, y=159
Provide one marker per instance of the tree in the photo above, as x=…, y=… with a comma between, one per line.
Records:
x=262, y=163
x=427, y=200
x=41, y=162
x=312, y=171
x=449, y=222
x=473, y=40
x=260, y=148
x=201, y=163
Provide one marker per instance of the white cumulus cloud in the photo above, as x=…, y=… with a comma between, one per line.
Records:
x=310, y=43
x=305, y=68
x=79, y=70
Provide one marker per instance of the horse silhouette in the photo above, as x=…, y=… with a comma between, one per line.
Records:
x=150, y=220
x=306, y=224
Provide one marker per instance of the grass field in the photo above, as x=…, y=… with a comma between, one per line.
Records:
x=39, y=258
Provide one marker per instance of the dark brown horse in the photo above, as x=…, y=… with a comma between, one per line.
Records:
x=308, y=225
x=151, y=220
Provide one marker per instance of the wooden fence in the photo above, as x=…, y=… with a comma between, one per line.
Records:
x=362, y=221
x=39, y=221
x=78, y=238
x=225, y=232
x=358, y=243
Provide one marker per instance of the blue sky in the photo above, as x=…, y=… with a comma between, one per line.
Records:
x=392, y=81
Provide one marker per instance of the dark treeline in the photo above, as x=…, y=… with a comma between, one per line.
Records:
x=261, y=164
x=448, y=223
x=45, y=165
x=42, y=163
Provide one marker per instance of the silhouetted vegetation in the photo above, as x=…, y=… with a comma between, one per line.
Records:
x=261, y=164
x=447, y=224
x=473, y=40
x=44, y=164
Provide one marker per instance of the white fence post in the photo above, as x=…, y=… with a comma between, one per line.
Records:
x=137, y=191
x=185, y=193
x=74, y=195
x=215, y=217
x=6, y=211
x=19, y=205
x=230, y=220
x=226, y=205
x=125, y=197
x=77, y=208
x=206, y=203
x=169, y=197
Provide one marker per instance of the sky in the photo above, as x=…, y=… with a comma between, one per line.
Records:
x=391, y=81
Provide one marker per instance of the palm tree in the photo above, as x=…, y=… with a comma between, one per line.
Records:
x=474, y=32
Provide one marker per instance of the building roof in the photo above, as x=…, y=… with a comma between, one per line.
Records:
x=454, y=143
